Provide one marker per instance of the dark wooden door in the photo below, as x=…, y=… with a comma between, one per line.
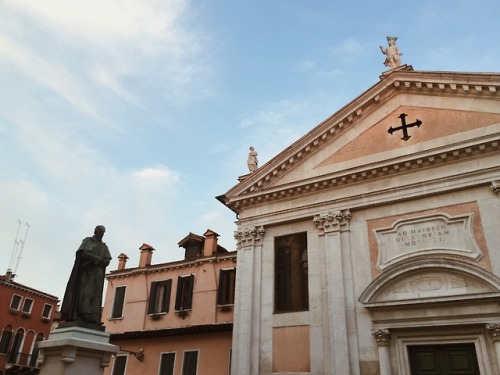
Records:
x=457, y=359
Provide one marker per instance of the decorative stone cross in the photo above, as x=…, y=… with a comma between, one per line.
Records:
x=404, y=126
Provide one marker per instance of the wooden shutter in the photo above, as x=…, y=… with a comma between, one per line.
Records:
x=222, y=286
x=166, y=298
x=152, y=298
x=118, y=302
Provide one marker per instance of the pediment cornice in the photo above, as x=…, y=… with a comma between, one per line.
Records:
x=258, y=187
x=365, y=173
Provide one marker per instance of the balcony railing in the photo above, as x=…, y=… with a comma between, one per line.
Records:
x=25, y=360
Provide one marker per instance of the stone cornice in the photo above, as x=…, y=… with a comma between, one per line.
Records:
x=365, y=173
x=405, y=80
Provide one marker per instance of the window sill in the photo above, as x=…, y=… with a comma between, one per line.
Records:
x=225, y=307
x=25, y=315
x=120, y=318
x=45, y=320
x=157, y=316
x=14, y=312
x=182, y=313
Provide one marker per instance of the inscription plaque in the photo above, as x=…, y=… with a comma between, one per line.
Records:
x=434, y=234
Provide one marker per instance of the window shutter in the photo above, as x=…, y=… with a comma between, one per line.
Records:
x=222, y=286
x=118, y=302
x=166, y=299
x=178, y=297
x=152, y=298
x=189, y=292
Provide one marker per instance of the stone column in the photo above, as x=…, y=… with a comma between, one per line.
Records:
x=331, y=225
x=246, y=326
x=383, y=338
x=75, y=351
x=494, y=331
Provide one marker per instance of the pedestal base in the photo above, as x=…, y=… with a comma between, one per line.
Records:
x=75, y=351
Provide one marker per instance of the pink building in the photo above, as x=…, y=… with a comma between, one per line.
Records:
x=173, y=318
x=26, y=316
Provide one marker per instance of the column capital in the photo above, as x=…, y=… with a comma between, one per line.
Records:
x=382, y=336
x=332, y=221
x=494, y=331
x=249, y=236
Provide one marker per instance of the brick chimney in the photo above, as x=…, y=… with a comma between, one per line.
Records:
x=122, y=261
x=210, y=243
x=146, y=255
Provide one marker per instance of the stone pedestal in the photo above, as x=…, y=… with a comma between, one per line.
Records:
x=75, y=351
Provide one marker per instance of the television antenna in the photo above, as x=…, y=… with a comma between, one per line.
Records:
x=17, y=250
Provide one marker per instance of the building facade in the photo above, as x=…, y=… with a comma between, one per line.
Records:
x=173, y=318
x=26, y=317
x=370, y=246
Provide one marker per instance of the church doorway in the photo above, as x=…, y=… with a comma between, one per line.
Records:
x=454, y=359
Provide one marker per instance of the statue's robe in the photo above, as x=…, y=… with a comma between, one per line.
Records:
x=83, y=297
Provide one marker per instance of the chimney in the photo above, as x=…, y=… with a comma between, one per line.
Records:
x=210, y=243
x=146, y=255
x=122, y=261
x=9, y=275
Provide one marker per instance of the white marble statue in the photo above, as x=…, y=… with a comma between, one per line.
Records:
x=393, y=59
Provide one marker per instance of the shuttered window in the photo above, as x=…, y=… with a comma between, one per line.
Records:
x=118, y=301
x=120, y=364
x=190, y=363
x=225, y=292
x=184, y=297
x=167, y=361
x=159, y=297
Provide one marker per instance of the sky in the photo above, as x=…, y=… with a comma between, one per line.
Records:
x=136, y=114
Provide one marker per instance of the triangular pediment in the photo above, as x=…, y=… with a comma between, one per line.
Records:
x=458, y=112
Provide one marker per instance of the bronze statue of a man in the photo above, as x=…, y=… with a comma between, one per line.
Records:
x=83, y=297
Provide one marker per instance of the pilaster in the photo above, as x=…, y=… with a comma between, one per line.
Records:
x=333, y=227
x=246, y=328
x=383, y=339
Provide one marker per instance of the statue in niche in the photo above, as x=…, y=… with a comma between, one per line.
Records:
x=393, y=59
x=252, y=161
x=82, y=301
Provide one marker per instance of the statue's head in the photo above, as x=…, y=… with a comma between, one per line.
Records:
x=391, y=40
x=99, y=231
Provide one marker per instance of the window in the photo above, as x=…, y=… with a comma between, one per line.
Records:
x=119, y=364
x=27, y=305
x=190, y=363
x=290, y=283
x=5, y=340
x=47, y=310
x=225, y=294
x=167, y=361
x=15, y=304
x=16, y=346
x=184, y=297
x=35, y=351
x=118, y=300
x=159, y=297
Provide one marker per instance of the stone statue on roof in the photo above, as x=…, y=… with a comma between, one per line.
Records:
x=393, y=59
x=252, y=161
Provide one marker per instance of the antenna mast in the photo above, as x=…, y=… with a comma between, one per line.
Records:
x=17, y=250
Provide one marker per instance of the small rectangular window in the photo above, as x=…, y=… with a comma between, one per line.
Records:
x=167, y=361
x=47, y=310
x=27, y=306
x=227, y=281
x=118, y=301
x=120, y=364
x=184, y=297
x=15, y=303
x=159, y=297
x=190, y=363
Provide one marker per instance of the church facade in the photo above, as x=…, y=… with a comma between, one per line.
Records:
x=371, y=245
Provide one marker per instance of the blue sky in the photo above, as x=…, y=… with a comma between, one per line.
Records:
x=136, y=114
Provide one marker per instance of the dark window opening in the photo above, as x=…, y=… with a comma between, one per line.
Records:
x=167, y=361
x=159, y=298
x=118, y=301
x=189, y=367
x=227, y=282
x=184, y=297
x=291, y=292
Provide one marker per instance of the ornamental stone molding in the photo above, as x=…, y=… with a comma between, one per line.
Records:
x=494, y=331
x=249, y=236
x=495, y=186
x=382, y=336
x=332, y=221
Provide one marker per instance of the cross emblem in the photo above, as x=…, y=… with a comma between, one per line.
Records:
x=404, y=126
